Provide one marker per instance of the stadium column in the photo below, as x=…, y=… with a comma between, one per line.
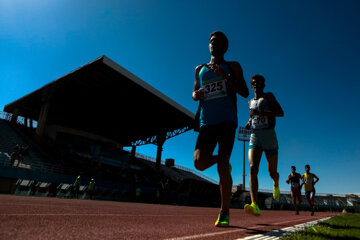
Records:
x=160, y=139
x=45, y=98
x=15, y=115
x=42, y=120
x=133, y=153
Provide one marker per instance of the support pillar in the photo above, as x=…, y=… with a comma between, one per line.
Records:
x=42, y=120
x=160, y=140
x=15, y=115
x=132, y=153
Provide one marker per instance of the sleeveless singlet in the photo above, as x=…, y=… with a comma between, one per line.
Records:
x=218, y=104
x=309, y=179
x=258, y=121
x=295, y=181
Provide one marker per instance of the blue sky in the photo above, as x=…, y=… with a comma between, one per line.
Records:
x=308, y=51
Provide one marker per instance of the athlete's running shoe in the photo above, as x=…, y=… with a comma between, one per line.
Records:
x=312, y=213
x=252, y=209
x=276, y=192
x=223, y=219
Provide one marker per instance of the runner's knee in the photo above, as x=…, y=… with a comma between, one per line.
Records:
x=254, y=170
x=200, y=160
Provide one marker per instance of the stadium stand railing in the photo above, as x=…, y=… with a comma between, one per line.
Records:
x=139, y=155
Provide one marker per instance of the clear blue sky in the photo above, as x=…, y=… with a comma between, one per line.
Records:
x=308, y=51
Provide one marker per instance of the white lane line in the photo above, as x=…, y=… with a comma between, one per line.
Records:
x=276, y=234
x=97, y=214
x=229, y=231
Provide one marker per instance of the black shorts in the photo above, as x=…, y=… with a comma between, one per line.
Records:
x=223, y=133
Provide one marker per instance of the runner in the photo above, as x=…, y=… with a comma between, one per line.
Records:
x=308, y=180
x=263, y=109
x=294, y=179
x=216, y=85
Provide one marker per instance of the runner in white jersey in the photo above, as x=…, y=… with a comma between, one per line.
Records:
x=263, y=109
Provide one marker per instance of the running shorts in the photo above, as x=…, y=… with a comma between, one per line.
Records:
x=264, y=139
x=309, y=193
x=296, y=191
x=223, y=133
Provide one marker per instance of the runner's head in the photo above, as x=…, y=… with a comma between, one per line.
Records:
x=218, y=43
x=257, y=83
x=293, y=169
x=307, y=168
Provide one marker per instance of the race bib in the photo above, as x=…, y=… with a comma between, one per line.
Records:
x=294, y=184
x=259, y=122
x=214, y=88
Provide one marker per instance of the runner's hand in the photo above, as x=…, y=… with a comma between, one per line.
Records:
x=218, y=70
x=254, y=112
x=248, y=125
x=198, y=93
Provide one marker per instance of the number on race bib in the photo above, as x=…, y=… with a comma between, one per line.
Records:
x=214, y=88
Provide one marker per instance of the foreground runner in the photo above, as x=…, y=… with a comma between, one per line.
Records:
x=294, y=179
x=308, y=180
x=216, y=85
x=263, y=109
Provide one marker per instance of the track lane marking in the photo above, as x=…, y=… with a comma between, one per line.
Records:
x=98, y=214
x=230, y=231
x=275, y=234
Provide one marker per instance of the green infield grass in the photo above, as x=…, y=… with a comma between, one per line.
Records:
x=345, y=226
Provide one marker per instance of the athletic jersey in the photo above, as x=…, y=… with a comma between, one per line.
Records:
x=91, y=186
x=77, y=182
x=295, y=180
x=258, y=121
x=309, y=182
x=218, y=104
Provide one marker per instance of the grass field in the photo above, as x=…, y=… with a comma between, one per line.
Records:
x=345, y=226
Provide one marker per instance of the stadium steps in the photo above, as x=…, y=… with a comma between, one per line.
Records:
x=10, y=136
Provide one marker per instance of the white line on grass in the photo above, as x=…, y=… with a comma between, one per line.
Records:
x=227, y=232
x=281, y=232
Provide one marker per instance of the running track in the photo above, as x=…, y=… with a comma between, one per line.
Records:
x=54, y=218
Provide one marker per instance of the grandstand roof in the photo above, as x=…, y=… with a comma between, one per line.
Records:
x=103, y=98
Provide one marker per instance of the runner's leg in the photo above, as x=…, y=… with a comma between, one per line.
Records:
x=254, y=161
x=223, y=168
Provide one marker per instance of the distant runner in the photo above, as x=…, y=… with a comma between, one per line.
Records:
x=263, y=109
x=308, y=180
x=294, y=179
x=216, y=85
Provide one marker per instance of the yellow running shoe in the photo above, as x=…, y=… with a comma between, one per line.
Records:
x=223, y=219
x=252, y=209
x=276, y=192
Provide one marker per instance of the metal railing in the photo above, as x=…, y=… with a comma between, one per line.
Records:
x=139, y=155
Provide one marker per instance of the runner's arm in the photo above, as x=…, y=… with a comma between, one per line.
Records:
x=276, y=110
x=288, y=181
x=196, y=94
x=236, y=79
x=302, y=181
x=317, y=179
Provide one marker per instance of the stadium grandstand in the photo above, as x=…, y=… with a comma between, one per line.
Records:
x=63, y=137
x=80, y=124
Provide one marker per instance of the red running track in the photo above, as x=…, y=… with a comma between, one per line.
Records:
x=54, y=218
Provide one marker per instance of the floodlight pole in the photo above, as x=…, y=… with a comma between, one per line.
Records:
x=244, y=136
